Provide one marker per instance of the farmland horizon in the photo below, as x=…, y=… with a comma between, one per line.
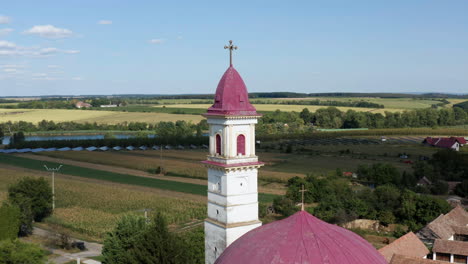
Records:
x=324, y=94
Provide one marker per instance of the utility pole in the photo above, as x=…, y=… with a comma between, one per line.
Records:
x=53, y=170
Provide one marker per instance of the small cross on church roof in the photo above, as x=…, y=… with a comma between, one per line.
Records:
x=231, y=48
x=302, y=191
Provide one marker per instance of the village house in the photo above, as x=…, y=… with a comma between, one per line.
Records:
x=81, y=104
x=447, y=234
x=451, y=226
x=407, y=245
x=424, y=182
x=448, y=143
x=401, y=259
x=450, y=251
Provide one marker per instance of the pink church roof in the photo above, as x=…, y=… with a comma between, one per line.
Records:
x=300, y=238
x=231, y=96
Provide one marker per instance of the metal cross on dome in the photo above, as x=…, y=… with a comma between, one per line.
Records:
x=302, y=191
x=231, y=48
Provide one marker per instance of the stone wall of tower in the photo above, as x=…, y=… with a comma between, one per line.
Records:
x=232, y=185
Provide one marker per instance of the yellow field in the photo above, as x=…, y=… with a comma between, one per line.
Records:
x=90, y=116
x=92, y=207
x=297, y=108
x=389, y=103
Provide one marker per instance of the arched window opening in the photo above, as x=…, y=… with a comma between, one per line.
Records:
x=218, y=144
x=241, y=145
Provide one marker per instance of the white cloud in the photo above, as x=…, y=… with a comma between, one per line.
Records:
x=77, y=79
x=157, y=41
x=13, y=66
x=49, y=31
x=5, y=31
x=10, y=70
x=180, y=37
x=105, y=22
x=53, y=66
x=11, y=49
x=71, y=51
x=44, y=77
x=4, y=19
x=48, y=51
x=7, y=45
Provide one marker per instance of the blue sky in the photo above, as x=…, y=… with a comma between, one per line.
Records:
x=172, y=47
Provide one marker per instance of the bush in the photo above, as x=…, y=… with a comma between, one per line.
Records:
x=9, y=221
x=462, y=189
x=17, y=252
x=284, y=206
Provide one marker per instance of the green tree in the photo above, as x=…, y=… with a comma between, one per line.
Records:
x=284, y=206
x=386, y=217
x=9, y=221
x=159, y=246
x=34, y=199
x=121, y=240
x=462, y=189
x=37, y=191
x=195, y=244
x=17, y=252
x=440, y=187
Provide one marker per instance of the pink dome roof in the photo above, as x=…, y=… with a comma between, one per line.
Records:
x=302, y=239
x=231, y=96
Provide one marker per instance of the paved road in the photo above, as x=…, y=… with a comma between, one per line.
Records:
x=93, y=249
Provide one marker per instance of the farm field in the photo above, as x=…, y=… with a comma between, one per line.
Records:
x=115, y=177
x=176, y=163
x=279, y=167
x=92, y=207
x=297, y=108
x=90, y=116
x=389, y=103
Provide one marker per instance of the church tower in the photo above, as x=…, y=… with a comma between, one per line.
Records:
x=232, y=165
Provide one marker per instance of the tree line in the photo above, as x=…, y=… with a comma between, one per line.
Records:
x=363, y=104
x=46, y=125
x=332, y=117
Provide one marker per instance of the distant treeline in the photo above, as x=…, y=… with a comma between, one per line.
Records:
x=62, y=104
x=279, y=122
x=322, y=103
x=251, y=95
x=462, y=105
x=113, y=142
x=178, y=127
x=381, y=95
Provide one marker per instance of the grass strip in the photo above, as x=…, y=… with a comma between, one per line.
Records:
x=115, y=177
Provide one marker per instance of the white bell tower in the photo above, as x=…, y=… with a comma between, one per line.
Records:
x=232, y=166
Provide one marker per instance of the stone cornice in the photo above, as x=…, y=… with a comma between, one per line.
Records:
x=232, y=167
x=224, y=225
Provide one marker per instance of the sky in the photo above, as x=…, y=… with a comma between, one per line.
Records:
x=83, y=47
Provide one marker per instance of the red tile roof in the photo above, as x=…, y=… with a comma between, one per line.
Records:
x=451, y=247
x=460, y=140
x=441, y=227
x=444, y=142
x=407, y=245
x=399, y=259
